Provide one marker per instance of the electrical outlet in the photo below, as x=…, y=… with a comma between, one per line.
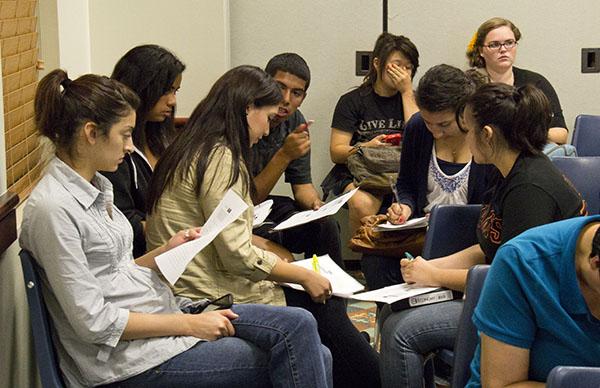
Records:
x=363, y=62
x=590, y=60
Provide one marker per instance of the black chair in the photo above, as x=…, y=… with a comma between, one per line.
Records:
x=573, y=376
x=584, y=174
x=451, y=228
x=41, y=326
x=467, y=338
x=586, y=135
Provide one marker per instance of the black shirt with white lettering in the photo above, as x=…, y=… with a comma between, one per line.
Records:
x=365, y=114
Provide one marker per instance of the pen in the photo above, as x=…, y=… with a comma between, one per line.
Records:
x=315, y=264
x=394, y=190
x=409, y=256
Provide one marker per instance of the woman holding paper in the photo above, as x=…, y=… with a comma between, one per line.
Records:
x=189, y=182
x=436, y=166
x=115, y=321
x=505, y=127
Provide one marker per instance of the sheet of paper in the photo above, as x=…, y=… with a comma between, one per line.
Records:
x=342, y=284
x=413, y=223
x=393, y=293
x=261, y=212
x=173, y=262
x=328, y=209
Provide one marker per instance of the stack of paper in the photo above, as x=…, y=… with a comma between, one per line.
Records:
x=342, y=284
x=413, y=223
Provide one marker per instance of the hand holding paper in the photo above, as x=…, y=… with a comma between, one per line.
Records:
x=173, y=262
x=342, y=284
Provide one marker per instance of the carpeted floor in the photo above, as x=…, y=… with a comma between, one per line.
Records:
x=362, y=314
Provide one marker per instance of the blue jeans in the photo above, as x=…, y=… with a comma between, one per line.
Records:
x=273, y=346
x=409, y=335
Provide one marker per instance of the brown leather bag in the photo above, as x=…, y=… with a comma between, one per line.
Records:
x=389, y=243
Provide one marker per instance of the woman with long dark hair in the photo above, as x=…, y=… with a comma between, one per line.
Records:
x=201, y=165
x=115, y=321
x=154, y=74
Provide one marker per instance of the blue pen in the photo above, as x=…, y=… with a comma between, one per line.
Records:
x=409, y=256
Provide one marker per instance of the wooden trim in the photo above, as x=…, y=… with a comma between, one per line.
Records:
x=8, y=219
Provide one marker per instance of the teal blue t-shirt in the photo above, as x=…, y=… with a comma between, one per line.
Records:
x=531, y=299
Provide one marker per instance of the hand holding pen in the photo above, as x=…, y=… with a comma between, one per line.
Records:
x=397, y=213
x=417, y=270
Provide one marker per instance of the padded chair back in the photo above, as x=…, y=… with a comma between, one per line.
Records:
x=40, y=324
x=451, y=229
x=466, y=339
x=573, y=376
x=584, y=174
x=586, y=135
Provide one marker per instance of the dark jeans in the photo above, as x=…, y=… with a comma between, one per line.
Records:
x=273, y=346
x=318, y=237
x=355, y=363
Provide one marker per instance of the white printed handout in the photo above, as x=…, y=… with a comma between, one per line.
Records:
x=328, y=209
x=393, y=293
x=173, y=262
x=342, y=284
x=261, y=212
x=413, y=223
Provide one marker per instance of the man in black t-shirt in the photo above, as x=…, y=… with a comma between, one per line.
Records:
x=287, y=149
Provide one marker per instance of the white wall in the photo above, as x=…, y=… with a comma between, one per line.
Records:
x=197, y=31
x=553, y=34
x=74, y=37
x=328, y=33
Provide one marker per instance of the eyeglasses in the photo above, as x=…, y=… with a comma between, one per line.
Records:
x=495, y=45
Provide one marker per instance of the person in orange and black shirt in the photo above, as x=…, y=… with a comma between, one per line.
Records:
x=506, y=127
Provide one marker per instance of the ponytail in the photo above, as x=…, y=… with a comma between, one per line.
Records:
x=521, y=116
x=532, y=118
x=62, y=106
x=48, y=105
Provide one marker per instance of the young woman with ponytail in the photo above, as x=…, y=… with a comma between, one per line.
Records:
x=115, y=321
x=506, y=127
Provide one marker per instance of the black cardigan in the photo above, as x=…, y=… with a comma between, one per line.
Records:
x=417, y=145
x=130, y=187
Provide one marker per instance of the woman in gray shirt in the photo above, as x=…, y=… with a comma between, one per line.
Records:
x=115, y=320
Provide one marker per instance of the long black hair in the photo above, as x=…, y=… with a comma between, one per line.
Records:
x=220, y=118
x=150, y=71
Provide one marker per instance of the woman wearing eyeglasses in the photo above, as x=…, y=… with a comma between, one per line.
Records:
x=494, y=49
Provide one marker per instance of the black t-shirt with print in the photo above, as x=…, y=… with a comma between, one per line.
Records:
x=365, y=114
x=533, y=193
